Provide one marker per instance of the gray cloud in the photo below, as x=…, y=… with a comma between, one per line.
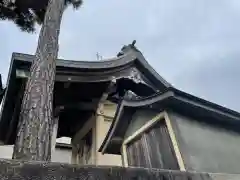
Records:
x=193, y=44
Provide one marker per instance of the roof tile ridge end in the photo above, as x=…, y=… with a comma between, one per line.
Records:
x=141, y=58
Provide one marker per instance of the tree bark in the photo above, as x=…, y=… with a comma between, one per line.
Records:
x=54, y=134
x=33, y=141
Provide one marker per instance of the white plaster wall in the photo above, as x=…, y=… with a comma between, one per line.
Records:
x=106, y=159
x=103, y=122
x=6, y=151
x=62, y=155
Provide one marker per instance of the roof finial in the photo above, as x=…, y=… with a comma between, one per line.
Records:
x=133, y=43
x=99, y=57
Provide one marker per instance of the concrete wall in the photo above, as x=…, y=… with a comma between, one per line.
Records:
x=10, y=169
x=34, y=170
x=206, y=148
x=139, y=118
x=59, y=155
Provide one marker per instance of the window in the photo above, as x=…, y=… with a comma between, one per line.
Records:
x=153, y=146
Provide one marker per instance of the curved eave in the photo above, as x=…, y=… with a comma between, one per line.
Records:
x=172, y=96
x=83, y=71
x=202, y=103
x=93, y=65
x=132, y=104
x=107, y=67
x=148, y=69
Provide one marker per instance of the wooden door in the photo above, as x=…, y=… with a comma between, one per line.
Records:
x=153, y=149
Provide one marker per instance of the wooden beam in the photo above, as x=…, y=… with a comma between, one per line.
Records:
x=146, y=126
x=174, y=142
x=84, y=130
x=80, y=105
x=67, y=78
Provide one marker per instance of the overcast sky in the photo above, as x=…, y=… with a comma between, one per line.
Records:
x=193, y=44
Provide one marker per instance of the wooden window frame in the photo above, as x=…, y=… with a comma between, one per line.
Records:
x=144, y=128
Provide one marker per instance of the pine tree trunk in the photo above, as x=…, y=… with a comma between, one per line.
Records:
x=33, y=140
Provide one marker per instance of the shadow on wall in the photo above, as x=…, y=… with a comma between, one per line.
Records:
x=59, y=155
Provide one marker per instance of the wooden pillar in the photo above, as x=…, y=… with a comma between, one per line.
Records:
x=100, y=132
x=77, y=142
x=94, y=142
x=74, y=154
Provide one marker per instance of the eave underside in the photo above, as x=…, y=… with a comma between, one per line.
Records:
x=76, y=90
x=176, y=101
x=79, y=86
x=104, y=70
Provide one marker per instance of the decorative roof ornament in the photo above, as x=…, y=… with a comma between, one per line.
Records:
x=135, y=76
x=127, y=48
x=134, y=42
x=130, y=95
x=113, y=79
x=99, y=57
